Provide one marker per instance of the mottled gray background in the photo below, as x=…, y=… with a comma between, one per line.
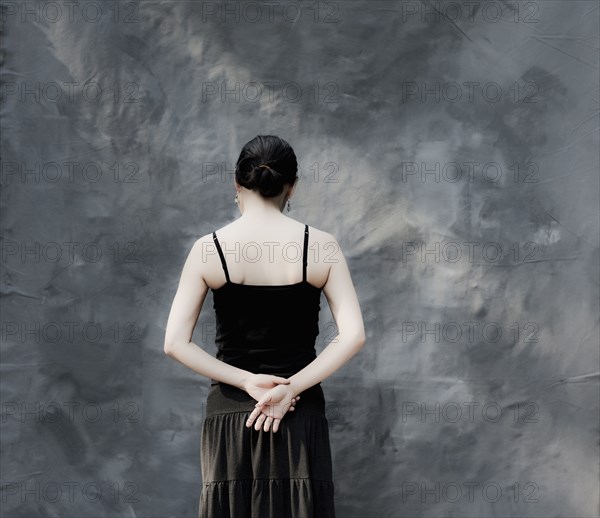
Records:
x=121, y=124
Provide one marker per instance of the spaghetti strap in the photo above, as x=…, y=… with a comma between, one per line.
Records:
x=304, y=256
x=221, y=256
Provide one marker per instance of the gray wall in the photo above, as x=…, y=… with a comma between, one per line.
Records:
x=477, y=391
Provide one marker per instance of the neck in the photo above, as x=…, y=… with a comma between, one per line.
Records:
x=259, y=213
x=254, y=207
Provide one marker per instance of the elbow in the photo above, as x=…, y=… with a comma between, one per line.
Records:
x=173, y=347
x=169, y=349
x=360, y=336
x=360, y=340
x=357, y=338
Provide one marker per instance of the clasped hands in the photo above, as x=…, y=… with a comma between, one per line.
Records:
x=274, y=397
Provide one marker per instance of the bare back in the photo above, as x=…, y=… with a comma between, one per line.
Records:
x=269, y=255
x=265, y=255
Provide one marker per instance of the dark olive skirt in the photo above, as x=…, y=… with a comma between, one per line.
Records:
x=256, y=474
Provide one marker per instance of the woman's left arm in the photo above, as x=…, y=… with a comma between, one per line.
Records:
x=185, y=310
x=183, y=316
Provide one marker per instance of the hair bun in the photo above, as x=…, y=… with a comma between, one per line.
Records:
x=266, y=179
x=267, y=168
x=266, y=164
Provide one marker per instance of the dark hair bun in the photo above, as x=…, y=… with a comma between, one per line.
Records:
x=266, y=164
x=266, y=180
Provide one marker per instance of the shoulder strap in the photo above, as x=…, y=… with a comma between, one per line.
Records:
x=304, y=256
x=221, y=256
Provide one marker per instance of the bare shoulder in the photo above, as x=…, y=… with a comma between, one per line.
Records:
x=202, y=249
x=325, y=253
x=203, y=260
x=316, y=234
x=201, y=243
x=325, y=240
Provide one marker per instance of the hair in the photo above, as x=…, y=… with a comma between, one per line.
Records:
x=266, y=164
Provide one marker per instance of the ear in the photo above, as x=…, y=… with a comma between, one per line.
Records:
x=292, y=188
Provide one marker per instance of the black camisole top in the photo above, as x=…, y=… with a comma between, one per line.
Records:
x=267, y=329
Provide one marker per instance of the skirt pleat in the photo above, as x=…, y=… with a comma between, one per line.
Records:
x=248, y=473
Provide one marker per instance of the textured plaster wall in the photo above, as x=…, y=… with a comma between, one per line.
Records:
x=453, y=155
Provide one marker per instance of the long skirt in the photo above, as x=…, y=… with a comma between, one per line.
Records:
x=248, y=473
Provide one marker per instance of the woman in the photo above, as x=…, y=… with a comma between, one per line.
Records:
x=265, y=442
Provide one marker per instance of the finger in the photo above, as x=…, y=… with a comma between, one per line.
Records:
x=253, y=415
x=259, y=422
x=276, y=425
x=267, y=424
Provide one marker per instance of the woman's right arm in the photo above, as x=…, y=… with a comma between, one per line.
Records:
x=343, y=302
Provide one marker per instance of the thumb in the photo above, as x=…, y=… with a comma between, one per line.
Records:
x=279, y=379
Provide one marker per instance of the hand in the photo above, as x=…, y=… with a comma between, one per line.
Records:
x=257, y=385
x=271, y=408
x=267, y=416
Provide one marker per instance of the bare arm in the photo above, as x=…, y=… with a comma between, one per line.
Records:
x=184, y=313
x=341, y=296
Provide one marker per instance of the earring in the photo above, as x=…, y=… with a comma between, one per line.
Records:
x=236, y=198
x=288, y=205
